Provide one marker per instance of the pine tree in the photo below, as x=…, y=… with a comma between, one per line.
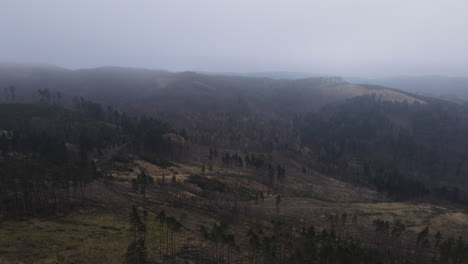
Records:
x=278, y=201
x=136, y=251
x=161, y=218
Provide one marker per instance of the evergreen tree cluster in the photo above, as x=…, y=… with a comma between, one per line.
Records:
x=406, y=150
x=49, y=154
x=269, y=172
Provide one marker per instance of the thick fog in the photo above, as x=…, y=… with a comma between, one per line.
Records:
x=360, y=38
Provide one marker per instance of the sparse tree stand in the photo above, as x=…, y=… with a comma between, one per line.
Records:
x=168, y=226
x=136, y=251
x=278, y=201
x=161, y=218
x=222, y=241
x=44, y=95
x=174, y=227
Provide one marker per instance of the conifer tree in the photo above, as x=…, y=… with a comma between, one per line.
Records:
x=136, y=251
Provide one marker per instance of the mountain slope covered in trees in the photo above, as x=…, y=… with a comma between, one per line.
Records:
x=49, y=154
x=229, y=111
x=143, y=166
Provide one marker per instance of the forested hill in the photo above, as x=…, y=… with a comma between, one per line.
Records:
x=130, y=86
x=49, y=154
x=407, y=150
x=228, y=111
x=318, y=169
x=397, y=140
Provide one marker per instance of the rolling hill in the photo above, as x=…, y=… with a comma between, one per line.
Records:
x=216, y=109
x=225, y=162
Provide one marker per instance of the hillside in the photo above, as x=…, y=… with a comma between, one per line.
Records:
x=450, y=88
x=227, y=169
x=183, y=203
x=228, y=111
x=116, y=84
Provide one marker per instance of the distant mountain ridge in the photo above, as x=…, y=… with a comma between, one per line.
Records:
x=225, y=105
x=452, y=88
x=139, y=82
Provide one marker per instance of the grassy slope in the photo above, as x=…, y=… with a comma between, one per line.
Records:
x=98, y=233
x=101, y=234
x=86, y=236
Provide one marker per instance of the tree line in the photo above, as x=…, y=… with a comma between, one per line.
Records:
x=269, y=172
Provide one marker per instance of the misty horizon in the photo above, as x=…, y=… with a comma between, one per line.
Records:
x=260, y=73
x=233, y=132
x=337, y=38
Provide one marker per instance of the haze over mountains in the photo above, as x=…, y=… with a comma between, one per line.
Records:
x=282, y=149
x=448, y=87
x=188, y=99
x=451, y=88
x=234, y=132
x=245, y=113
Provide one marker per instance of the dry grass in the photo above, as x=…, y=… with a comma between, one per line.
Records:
x=344, y=91
x=94, y=236
x=416, y=216
x=81, y=237
x=86, y=236
x=452, y=222
x=181, y=171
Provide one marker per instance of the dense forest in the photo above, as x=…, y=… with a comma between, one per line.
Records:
x=407, y=150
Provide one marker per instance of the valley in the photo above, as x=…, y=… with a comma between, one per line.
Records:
x=197, y=168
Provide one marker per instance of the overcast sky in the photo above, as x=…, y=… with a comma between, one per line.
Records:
x=338, y=37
